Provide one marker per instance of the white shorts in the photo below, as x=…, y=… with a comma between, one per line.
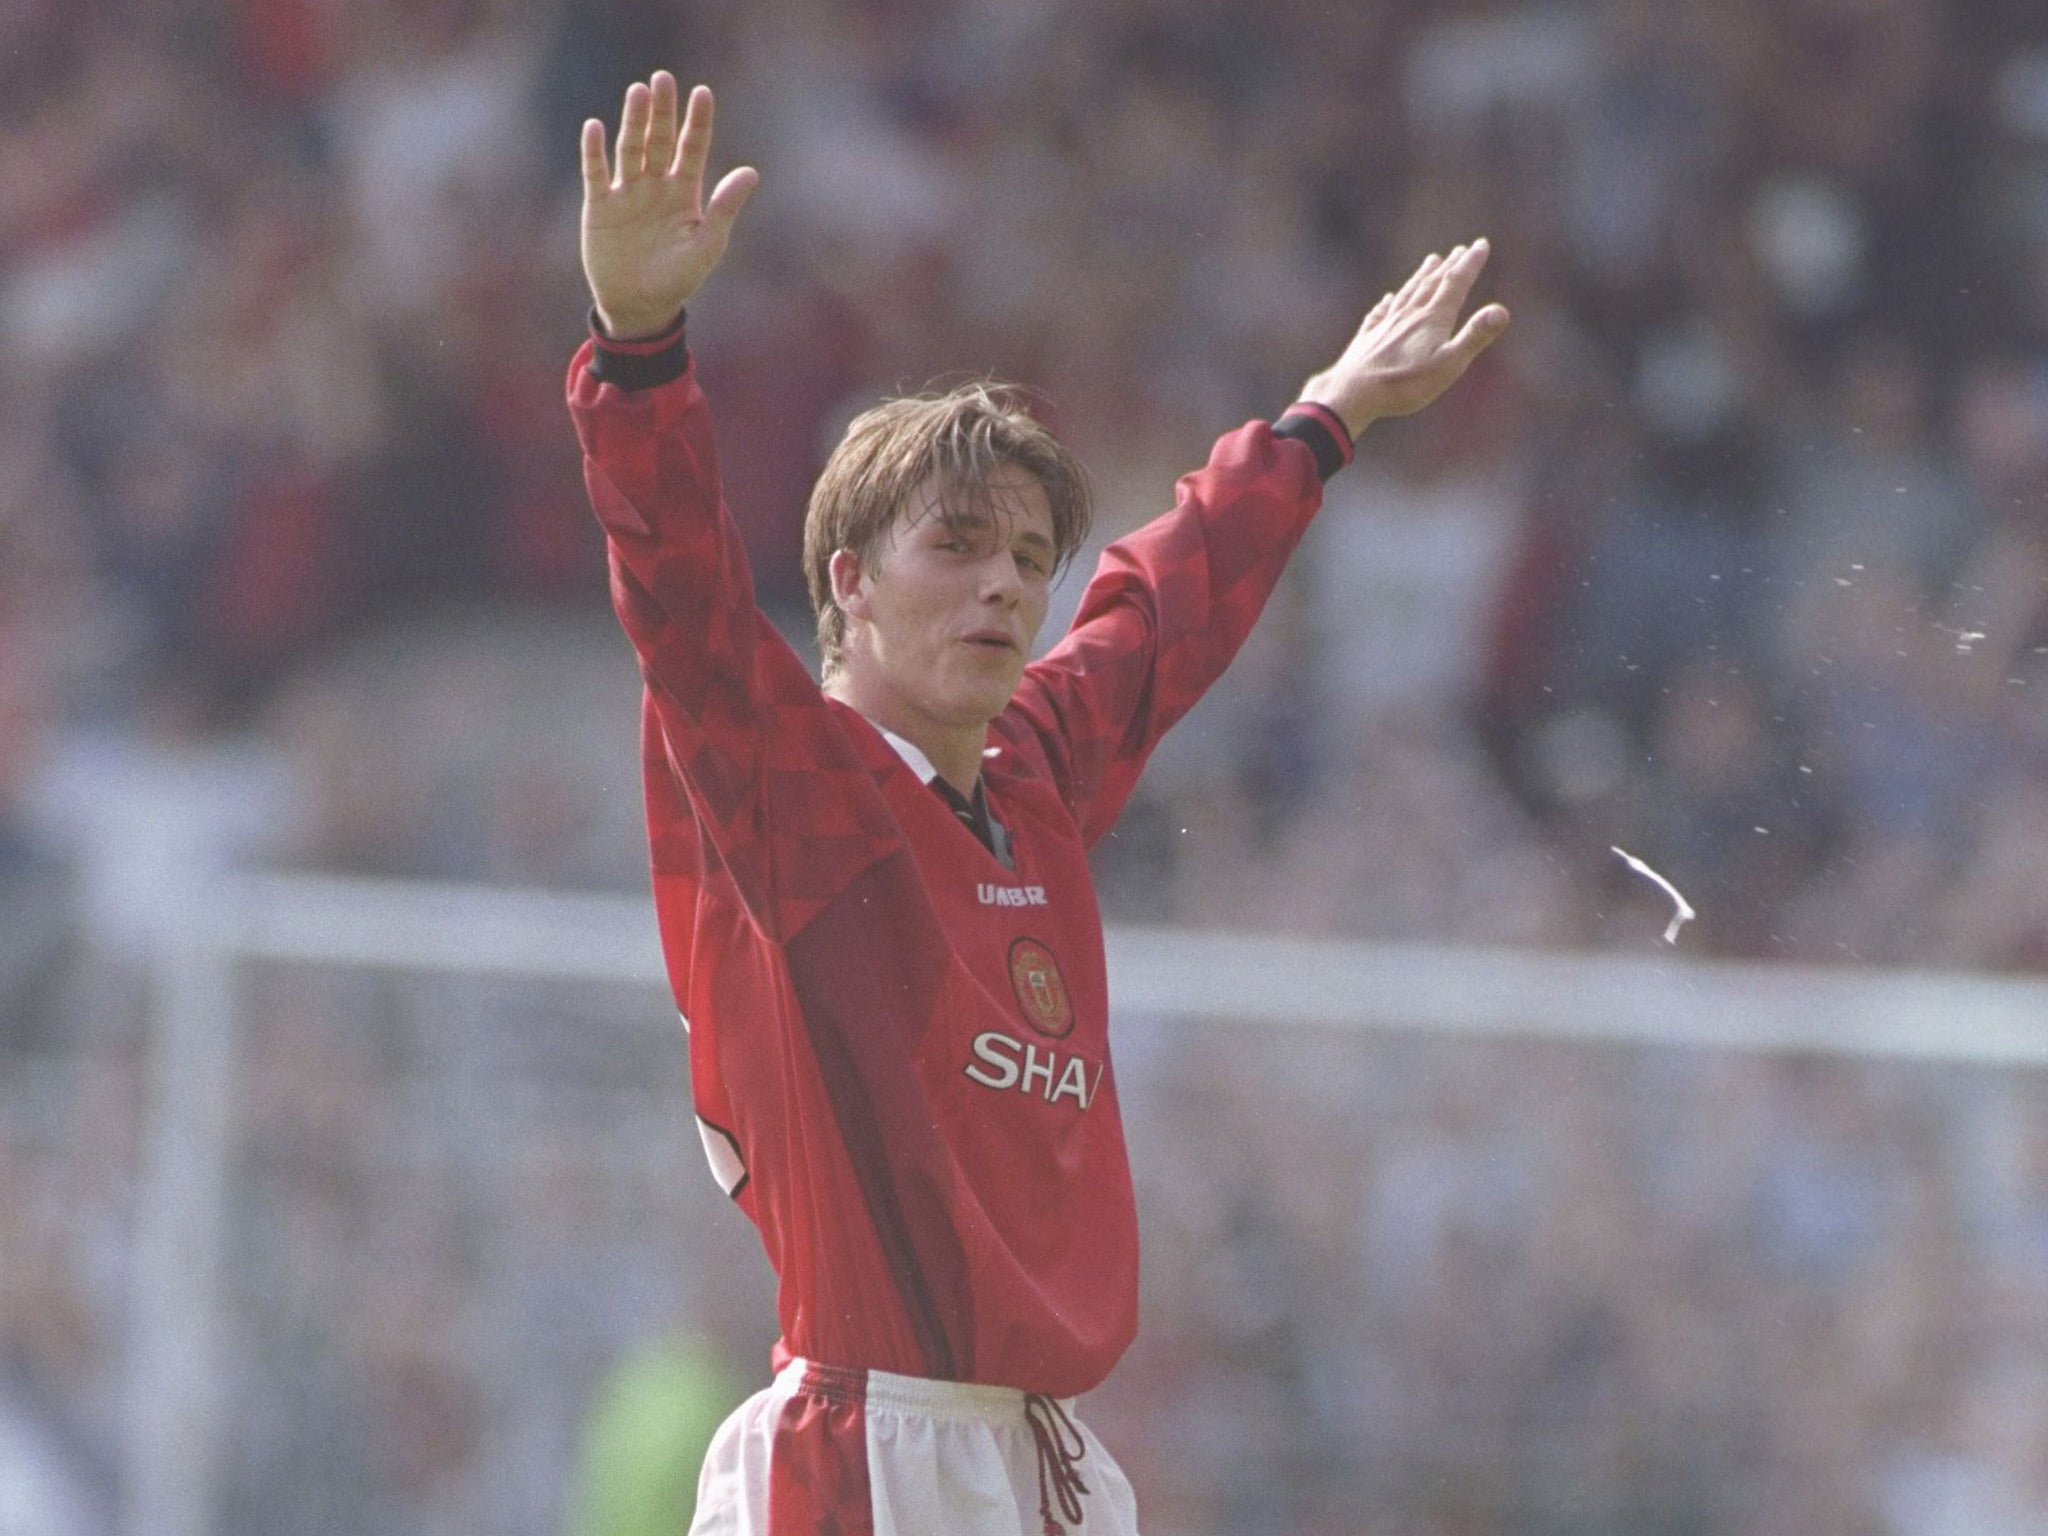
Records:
x=868, y=1453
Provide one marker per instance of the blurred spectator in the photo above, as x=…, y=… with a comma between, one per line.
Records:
x=645, y=1440
x=1737, y=556
x=37, y=921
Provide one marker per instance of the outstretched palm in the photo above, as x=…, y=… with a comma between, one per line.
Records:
x=1410, y=348
x=649, y=236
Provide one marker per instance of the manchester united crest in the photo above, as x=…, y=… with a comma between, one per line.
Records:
x=1041, y=989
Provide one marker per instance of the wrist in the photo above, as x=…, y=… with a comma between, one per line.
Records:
x=630, y=326
x=1355, y=409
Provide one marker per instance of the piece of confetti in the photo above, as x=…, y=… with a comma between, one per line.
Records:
x=1682, y=909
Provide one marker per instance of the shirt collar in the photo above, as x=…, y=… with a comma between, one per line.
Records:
x=911, y=753
x=972, y=809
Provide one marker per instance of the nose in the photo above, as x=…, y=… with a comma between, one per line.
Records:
x=1000, y=580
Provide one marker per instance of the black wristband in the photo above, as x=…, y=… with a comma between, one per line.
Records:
x=631, y=365
x=1319, y=430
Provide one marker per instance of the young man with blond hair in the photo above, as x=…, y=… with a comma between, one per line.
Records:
x=873, y=891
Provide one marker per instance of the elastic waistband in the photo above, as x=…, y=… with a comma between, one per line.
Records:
x=957, y=1400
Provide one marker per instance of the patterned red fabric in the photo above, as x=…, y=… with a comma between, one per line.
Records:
x=818, y=1460
x=907, y=1041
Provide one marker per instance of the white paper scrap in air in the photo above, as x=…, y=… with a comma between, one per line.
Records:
x=1682, y=913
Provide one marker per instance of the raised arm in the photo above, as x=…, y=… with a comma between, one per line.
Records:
x=1171, y=604
x=680, y=579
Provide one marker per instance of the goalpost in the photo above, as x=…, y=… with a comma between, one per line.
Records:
x=211, y=932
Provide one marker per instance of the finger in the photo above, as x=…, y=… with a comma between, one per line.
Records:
x=1471, y=261
x=695, y=149
x=731, y=194
x=1486, y=326
x=597, y=176
x=661, y=122
x=1466, y=264
x=1374, y=316
x=1416, y=279
x=632, y=154
x=1447, y=271
x=1451, y=284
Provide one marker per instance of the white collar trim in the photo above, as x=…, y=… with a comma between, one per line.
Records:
x=911, y=753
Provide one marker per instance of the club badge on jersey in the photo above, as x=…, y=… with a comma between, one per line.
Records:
x=1041, y=990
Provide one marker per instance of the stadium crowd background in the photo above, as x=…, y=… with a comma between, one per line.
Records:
x=1735, y=555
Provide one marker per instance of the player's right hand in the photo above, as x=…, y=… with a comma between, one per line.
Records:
x=649, y=237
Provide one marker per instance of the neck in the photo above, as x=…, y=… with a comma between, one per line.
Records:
x=954, y=750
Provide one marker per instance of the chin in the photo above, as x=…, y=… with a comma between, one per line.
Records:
x=985, y=696
x=992, y=704
x=982, y=704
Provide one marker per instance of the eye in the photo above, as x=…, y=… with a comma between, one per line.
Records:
x=1032, y=563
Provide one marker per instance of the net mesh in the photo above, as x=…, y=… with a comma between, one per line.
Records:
x=1398, y=1277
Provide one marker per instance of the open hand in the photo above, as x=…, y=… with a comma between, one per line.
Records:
x=649, y=237
x=1410, y=348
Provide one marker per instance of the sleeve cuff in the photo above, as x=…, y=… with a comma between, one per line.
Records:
x=1321, y=430
x=642, y=363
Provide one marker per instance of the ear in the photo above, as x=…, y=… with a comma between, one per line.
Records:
x=849, y=585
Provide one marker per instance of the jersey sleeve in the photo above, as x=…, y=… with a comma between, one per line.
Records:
x=1169, y=607
x=729, y=704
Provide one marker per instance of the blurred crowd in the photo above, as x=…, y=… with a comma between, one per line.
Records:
x=1734, y=556
x=1436, y=1288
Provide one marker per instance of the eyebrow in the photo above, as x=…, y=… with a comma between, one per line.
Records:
x=977, y=520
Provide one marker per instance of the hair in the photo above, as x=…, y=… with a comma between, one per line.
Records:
x=951, y=442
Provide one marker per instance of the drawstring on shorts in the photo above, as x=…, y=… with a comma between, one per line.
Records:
x=1060, y=1447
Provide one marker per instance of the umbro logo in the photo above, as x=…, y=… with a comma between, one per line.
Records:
x=991, y=895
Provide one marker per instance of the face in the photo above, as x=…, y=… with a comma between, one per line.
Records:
x=943, y=618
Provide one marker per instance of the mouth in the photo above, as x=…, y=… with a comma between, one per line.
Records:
x=991, y=639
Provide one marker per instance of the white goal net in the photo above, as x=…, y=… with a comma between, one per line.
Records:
x=1436, y=1240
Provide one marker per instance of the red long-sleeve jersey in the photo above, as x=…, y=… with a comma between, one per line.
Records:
x=899, y=1045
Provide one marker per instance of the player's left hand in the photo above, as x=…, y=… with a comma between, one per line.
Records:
x=1410, y=348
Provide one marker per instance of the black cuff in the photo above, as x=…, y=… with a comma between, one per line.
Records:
x=1322, y=432
x=631, y=365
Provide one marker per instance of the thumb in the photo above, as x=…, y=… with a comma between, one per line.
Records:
x=1481, y=331
x=731, y=194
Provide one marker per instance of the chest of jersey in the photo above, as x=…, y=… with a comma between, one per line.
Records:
x=1023, y=1026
